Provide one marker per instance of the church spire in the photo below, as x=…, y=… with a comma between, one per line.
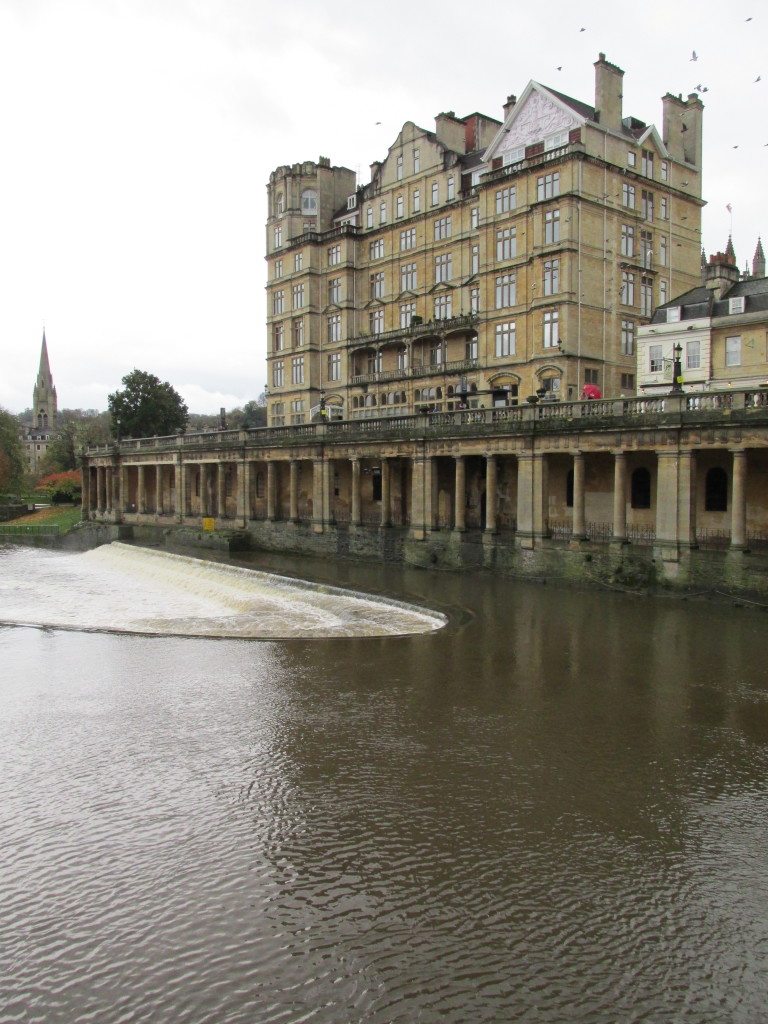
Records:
x=730, y=253
x=44, y=407
x=758, y=261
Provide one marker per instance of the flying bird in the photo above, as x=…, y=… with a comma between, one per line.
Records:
x=758, y=79
x=748, y=19
x=684, y=128
x=560, y=68
x=736, y=146
x=582, y=30
x=694, y=56
x=378, y=122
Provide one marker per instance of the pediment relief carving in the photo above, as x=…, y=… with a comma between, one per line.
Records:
x=538, y=117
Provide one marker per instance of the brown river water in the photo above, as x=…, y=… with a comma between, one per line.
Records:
x=553, y=807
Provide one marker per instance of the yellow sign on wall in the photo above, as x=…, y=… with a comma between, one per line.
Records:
x=209, y=523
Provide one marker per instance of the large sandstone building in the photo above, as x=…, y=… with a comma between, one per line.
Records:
x=485, y=261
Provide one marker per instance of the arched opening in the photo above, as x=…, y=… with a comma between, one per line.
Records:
x=716, y=490
x=641, y=488
x=309, y=201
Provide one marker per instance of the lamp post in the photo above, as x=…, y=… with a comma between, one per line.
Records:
x=677, y=370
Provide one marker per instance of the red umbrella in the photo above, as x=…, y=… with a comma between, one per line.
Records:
x=590, y=391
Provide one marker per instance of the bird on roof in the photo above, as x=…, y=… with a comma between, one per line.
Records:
x=694, y=56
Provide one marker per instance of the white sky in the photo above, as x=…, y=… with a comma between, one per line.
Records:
x=138, y=136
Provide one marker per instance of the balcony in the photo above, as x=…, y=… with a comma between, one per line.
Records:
x=421, y=370
x=463, y=322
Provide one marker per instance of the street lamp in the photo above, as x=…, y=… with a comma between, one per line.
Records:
x=677, y=370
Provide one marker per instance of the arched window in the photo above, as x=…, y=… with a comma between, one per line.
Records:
x=569, y=489
x=716, y=490
x=309, y=201
x=260, y=489
x=641, y=488
x=279, y=205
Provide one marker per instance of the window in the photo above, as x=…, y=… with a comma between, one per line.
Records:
x=278, y=300
x=693, y=355
x=298, y=296
x=334, y=255
x=627, y=288
x=382, y=213
x=505, y=291
x=664, y=170
x=278, y=374
x=436, y=353
x=627, y=338
x=399, y=206
x=627, y=382
x=334, y=366
x=451, y=194
x=376, y=249
x=627, y=240
x=408, y=277
x=408, y=239
x=435, y=193
x=369, y=217
x=443, y=267
x=373, y=362
x=416, y=204
x=297, y=411
x=631, y=159
x=716, y=490
x=551, y=277
x=278, y=269
x=553, y=141
x=733, y=351
x=352, y=201
x=298, y=332
x=278, y=236
x=551, y=328
x=474, y=218
x=416, y=161
x=664, y=208
x=309, y=201
x=334, y=327
x=662, y=292
x=279, y=204
x=736, y=304
x=513, y=156
x=442, y=307
x=628, y=196
x=505, y=339
x=646, y=296
x=506, y=200
x=640, y=488
x=277, y=338
x=591, y=376
x=551, y=227
x=298, y=261
x=399, y=166
x=407, y=311
x=663, y=257
x=475, y=261
x=297, y=370
x=548, y=186
x=506, y=244
x=646, y=205
x=402, y=359
x=646, y=166
x=673, y=314
x=334, y=291
x=442, y=228
x=474, y=300
x=470, y=347
x=376, y=321
x=377, y=285
x=655, y=359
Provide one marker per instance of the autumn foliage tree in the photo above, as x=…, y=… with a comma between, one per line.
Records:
x=146, y=407
x=11, y=453
x=61, y=487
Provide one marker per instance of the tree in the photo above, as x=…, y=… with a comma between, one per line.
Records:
x=146, y=407
x=61, y=487
x=12, y=463
x=74, y=428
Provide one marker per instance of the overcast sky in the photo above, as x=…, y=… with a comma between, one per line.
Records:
x=138, y=136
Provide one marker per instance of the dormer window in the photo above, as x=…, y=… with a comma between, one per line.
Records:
x=351, y=202
x=673, y=315
x=309, y=201
x=736, y=305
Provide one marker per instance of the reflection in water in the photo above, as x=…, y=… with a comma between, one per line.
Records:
x=541, y=812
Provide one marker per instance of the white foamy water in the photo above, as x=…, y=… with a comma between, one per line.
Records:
x=135, y=590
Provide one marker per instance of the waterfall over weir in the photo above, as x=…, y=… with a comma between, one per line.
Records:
x=122, y=588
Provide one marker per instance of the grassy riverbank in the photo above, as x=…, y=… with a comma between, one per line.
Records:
x=56, y=519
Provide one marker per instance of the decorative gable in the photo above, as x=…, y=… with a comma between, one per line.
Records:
x=533, y=119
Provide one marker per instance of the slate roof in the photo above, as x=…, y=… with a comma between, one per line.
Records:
x=700, y=301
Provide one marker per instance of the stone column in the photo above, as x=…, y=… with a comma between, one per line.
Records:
x=221, y=490
x=203, y=489
x=271, y=491
x=158, y=489
x=686, y=499
x=327, y=483
x=667, y=489
x=109, y=484
x=122, y=489
x=243, y=487
x=619, y=532
x=579, y=497
x=460, y=496
x=531, y=498
x=140, y=495
x=317, y=494
x=356, y=514
x=181, y=490
x=294, y=490
x=385, y=500
x=418, y=523
x=491, y=472
x=739, y=500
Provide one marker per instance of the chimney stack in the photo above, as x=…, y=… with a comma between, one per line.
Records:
x=511, y=101
x=608, y=93
x=722, y=275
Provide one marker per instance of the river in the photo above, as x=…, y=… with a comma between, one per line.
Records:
x=551, y=807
